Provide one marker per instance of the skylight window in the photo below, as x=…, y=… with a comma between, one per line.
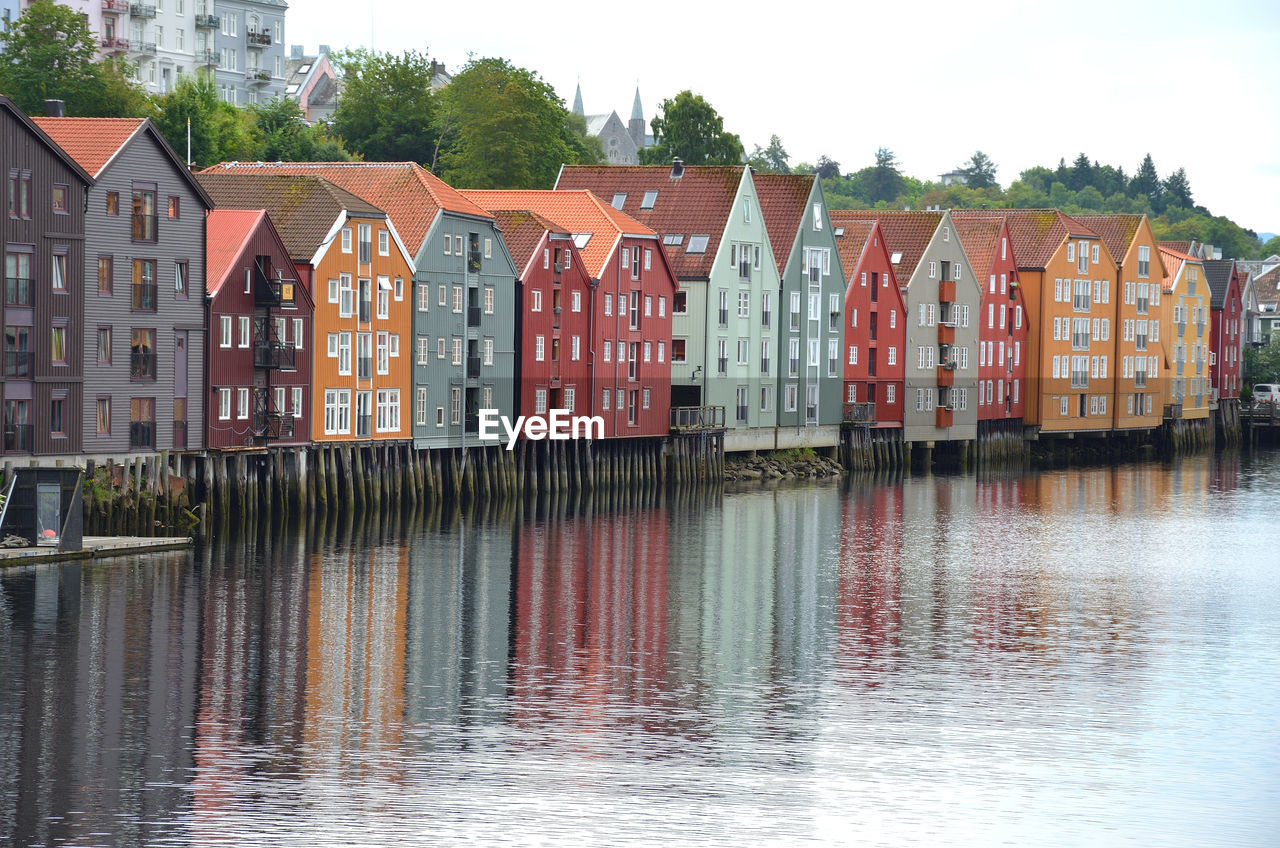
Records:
x=619, y=199
x=580, y=240
x=292, y=88
x=303, y=69
x=650, y=198
x=839, y=231
x=673, y=239
x=896, y=257
x=697, y=244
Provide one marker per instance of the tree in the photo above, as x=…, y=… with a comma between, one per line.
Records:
x=585, y=149
x=219, y=131
x=1271, y=248
x=503, y=127
x=1081, y=173
x=690, y=129
x=772, y=159
x=827, y=168
x=1146, y=181
x=284, y=136
x=885, y=181
x=1177, y=189
x=387, y=110
x=979, y=171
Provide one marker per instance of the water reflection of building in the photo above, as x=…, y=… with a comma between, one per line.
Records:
x=806, y=580
x=459, y=603
x=99, y=699
x=870, y=573
x=591, y=611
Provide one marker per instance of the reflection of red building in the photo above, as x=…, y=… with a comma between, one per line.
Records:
x=875, y=325
x=591, y=608
x=870, y=615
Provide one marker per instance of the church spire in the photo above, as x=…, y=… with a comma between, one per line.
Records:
x=577, y=102
x=637, y=110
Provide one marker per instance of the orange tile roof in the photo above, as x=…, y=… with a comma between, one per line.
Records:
x=699, y=202
x=1173, y=261
x=92, y=142
x=409, y=193
x=852, y=243
x=1036, y=234
x=522, y=231
x=1117, y=231
x=577, y=212
x=907, y=233
x=784, y=201
x=227, y=231
x=980, y=238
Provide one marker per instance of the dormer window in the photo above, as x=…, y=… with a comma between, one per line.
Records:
x=698, y=244
x=650, y=198
x=618, y=200
x=673, y=239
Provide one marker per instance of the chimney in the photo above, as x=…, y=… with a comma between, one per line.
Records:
x=324, y=50
x=295, y=51
x=677, y=168
x=55, y=109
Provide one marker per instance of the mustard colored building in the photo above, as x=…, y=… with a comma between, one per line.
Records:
x=1140, y=333
x=1068, y=278
x=1188, y=389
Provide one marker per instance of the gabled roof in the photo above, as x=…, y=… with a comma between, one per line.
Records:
x=1173, y=260
x=7, y=105
x=1217, y=273
x=409, y=193
x=980, y=238
x=851, y=242
x=302, y=208
x=698, y=202
x=1036, y=234
x=784, y=203
x=523, y=231
x=227, y=231
x=1117, y=231
x=907, y=233
x=1266, y=286
x=577, y=212
x=95, y=143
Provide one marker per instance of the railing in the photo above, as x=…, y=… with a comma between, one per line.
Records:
x=860, y=413
x=17, y=363
x=142, y=10
x=17, y=291
x=256, y=76
x=1172, y=411
x=258, y=39
x=471, y=422
x=273, y=425
x=946, y=334
x=697, y=418
x=144, y=297
x=473, y=315
x=115, y=5
x=208, y=57
x=945, y=417
x=114, y=45
x=179, y=435
x=946, y=376
x=144, y=227
x=273, y=354
x=146, y=48
x=473, y=367
x=273, y=291
x=142, y=434
x=947, y=291
x=142, y=366
x=17, y=438
x=208, y=21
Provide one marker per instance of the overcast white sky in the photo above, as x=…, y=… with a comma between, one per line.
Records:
x=1196, y=84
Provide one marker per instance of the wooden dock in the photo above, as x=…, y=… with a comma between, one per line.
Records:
x=95, y=547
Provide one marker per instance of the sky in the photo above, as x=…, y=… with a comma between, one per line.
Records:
x=1195, y=84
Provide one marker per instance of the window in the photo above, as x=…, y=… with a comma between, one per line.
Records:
x=744, y=304
x=384, y=297
x=456, y=358
x=388, y=411
x=677, y=351
x=608, y=349
x=60, y=199
x=346, y=240
x=488, y=300
x=680, y=305
x=364, y=234
x=59, y=280
x=697, y=244
x=19, y=193
x=344, y=354
x=384, y=353
x=574, y=349
x=384, y=243
x=576, y=302
x=487, y=358
x=113, y=203
x=457, y=299
x=539, y=349
x=337, y=411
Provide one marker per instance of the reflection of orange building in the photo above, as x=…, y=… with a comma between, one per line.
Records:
x=870, y=610
x=591, y=608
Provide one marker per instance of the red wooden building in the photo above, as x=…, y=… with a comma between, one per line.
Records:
x=1002, y=318
x=259, y=336
x=875, y=327
x=1226, y=311
x=624, y=322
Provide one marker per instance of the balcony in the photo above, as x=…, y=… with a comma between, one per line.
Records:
x=142, y=366
x=144, y=297
x=208, y=57
x=258, y=39
x=364, y=368
x=142, y=10
x=143, y=227
x=946, y=334
x=257, y=76
x=473, y=316
x=142, y=434
x=113, y=45
x=144, y=48
x=17, y=438
x=208, y=22
x=273, y=425
x=946, y=374
x=860, y=413
x=687, y=418
x=17, y=363
x=271, y=354
x=118, y=6
x=945, y=417
x=273, y=291
x=473, y=367
x=471, y=422
x=1013, y=289
x=947, y=291
x=1172, y=411
x=17, y=291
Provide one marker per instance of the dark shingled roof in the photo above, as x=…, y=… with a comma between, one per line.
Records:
x=907, y=233
x=852, y=243
x=1217, y=273
x=784, y=201
x=980, y=238
x=699, y=202
x=303, y=209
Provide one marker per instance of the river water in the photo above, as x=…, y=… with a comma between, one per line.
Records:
x=1086, y=656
